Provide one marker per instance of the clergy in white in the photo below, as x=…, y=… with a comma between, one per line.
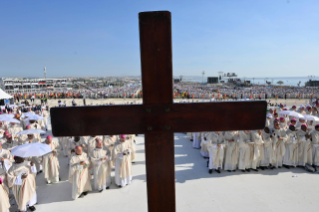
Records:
x=216, y=151
x=123, y=165
x=232, y=152
x=279, y=138
x=246, y=150
x=291, y=155
x=267, y=148
x=22, y=183
x=10, y=143
x=79, y=174
x=4, y=192
x=315, y=146
x=101, y=166
x=50, y=161
x=5, y=159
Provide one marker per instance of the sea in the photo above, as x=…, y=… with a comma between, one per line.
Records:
x=287, y=81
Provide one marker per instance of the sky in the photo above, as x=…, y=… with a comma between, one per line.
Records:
x=253, y=38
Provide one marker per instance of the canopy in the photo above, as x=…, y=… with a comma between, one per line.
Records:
x=4, y=95
x=31, y=150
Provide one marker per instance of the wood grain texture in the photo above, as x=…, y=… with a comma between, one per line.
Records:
x=196, y=117
x=160, y=171
x=156, y=57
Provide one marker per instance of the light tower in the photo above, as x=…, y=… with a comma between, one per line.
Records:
x=45, y=72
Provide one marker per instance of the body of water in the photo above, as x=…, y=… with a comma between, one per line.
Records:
x=291, y=81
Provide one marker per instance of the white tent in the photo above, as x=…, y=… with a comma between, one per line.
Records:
x=4, y=95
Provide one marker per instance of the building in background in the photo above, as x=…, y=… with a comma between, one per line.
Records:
x=16, y=85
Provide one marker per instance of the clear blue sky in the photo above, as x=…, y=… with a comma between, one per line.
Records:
x=254, y=38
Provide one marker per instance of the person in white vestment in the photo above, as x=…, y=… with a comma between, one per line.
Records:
x=291, y=155
x=4, y=192
x=315, y=146
x=205, y=144
x=10, y=143
x=267, y=148
x=279, y=138
x=258, y=149
x=283, y=123
x=22, y=183
x=5, y=159
x=101, y=166
x=232, y=150
x=216, y=151
x=196, y=140
x=268, y=120
x=123, y=165
x=79, y=174
x=299, y=123
x=50, y=161
x=300, y=134
x=246, y=150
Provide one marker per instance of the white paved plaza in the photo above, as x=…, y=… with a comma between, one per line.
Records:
x=196, y=189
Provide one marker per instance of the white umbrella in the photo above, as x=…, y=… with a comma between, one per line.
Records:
x=284, y=112
x=295, y=114
x=31, y=131
x=31, y=150
x=9, y=119
x=34, y=117
x=28, y=114
x=311, y=118
x=6, y=115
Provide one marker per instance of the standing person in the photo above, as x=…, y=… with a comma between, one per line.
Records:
x=4, y=192
x=79, y=174
x=315, y=146
x=102, y=169
x=10, y=143
x=245, y=145
x=205, y=145
x=291, y=155
x=50, y=162
x=123, y=165
x=257, y=149
x=5, y=159
x=267, y=150
x=196, y=140
x=231, y=155
x=22, y=183
x=215, y=146
x=279, y=138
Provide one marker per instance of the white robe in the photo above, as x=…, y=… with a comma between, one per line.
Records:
x=216, y=150
x=267, y=150
x=315, y=147
x=101, y=169
x=278, y=146
x=79, y=175
x=123, y=165
x=291, y=155
x=232, y=152
x=245, y=146
x=196, y=140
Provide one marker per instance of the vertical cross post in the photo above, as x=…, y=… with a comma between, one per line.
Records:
x=156, y=63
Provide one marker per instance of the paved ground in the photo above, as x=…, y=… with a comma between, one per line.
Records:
x=196, y=189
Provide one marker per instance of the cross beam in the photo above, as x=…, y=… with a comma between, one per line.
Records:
x=158, y=118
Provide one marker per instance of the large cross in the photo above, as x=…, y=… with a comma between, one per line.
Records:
x=158, y=117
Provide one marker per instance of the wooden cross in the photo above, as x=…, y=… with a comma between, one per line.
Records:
x=158, y=118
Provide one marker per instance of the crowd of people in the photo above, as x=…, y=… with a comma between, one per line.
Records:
x=180, y=90
x=196, y=90
x=285, y=141
x=107, y=92
x=89, y=157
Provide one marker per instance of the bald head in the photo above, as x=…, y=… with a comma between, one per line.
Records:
x=78, y=150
